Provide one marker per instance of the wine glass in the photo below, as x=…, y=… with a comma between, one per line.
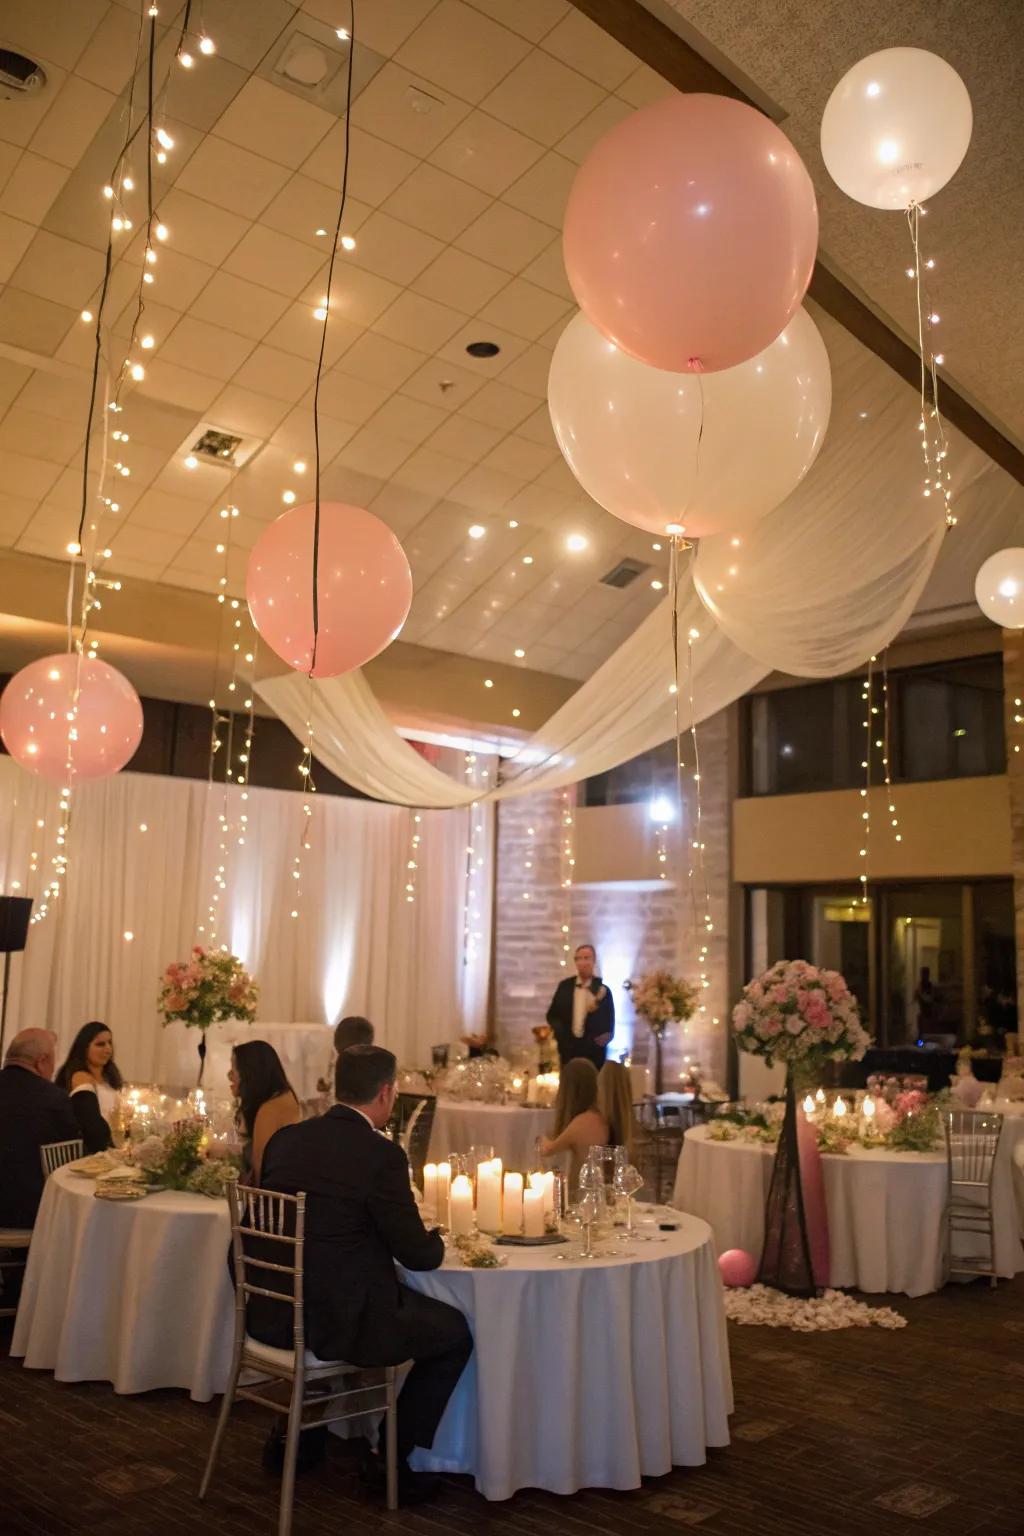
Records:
x=588, y=1211
x=628, y=1179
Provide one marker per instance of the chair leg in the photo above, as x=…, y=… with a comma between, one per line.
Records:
x=227, y=1403
x=391, y=1441
x=994, y=1281
x=291, y=1451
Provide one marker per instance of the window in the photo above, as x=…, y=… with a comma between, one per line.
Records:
x=648, y=777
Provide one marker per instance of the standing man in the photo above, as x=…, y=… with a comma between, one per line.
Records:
x=582, y=1013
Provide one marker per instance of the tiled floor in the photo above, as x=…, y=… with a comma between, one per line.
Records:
x=862, y=1433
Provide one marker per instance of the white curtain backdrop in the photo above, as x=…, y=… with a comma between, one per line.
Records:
x=358, y=946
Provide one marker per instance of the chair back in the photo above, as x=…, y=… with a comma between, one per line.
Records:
x=268, y=1236
x=55, y=1154
x=414, y=1122
x=972, y=1140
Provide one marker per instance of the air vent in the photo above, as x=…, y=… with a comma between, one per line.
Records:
x=213, y=446
x=219, y=446
x=311, y=61
x=19, y=76
x=624, y=574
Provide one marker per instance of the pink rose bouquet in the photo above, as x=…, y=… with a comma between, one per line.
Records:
x=210, y=986
x=798, y=1013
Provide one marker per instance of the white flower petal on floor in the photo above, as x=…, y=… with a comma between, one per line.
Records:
x=760, y=1306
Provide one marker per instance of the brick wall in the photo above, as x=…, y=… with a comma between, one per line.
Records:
x=632, y=929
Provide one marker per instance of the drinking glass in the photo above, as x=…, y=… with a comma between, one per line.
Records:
x=628, y=1180
x=588, y=1209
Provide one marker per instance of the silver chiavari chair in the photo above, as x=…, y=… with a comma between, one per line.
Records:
x=264, y=1222
x=55, y=1154
x=14, y=1241
x=972, y=1142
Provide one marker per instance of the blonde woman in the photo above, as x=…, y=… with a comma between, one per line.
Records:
x=579, y=1125
x=615, y=1105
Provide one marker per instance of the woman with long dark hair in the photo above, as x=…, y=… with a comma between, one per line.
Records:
x=266, y=1100
x=91, y=1077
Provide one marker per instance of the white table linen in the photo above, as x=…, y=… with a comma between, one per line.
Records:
x=586, y=1375
x=1012, y=1111
x=511, y=1129
x=135, y=1292
x=886, y=1210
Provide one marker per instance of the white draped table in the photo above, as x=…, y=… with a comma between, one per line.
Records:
x=511, y=1129
x=132, y=1292
x=886, y=1210
x=586, y=1375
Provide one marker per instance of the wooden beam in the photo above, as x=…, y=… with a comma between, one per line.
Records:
x=655, y=44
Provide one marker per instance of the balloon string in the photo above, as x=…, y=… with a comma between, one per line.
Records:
x=676, y=548
x=937, y=477
x=323, y=333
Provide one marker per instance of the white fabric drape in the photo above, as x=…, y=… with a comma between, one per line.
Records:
x=358, y=946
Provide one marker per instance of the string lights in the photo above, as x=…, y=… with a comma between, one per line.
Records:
x=472, y=934
x=412, y=862
x=894, y=821
x=567, y=865
x=870, y=710
x=934, y=446
x=306, y=825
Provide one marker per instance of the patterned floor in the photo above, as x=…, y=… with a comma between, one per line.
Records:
x=862, y=1433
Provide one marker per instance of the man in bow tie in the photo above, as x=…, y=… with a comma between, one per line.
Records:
x=582, y=1013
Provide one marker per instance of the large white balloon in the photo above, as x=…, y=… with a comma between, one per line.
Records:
x=999, y=588
x=896, y=127
x=678, y=453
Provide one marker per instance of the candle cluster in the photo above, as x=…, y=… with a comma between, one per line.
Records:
x=493, y=1202
x=542, y=1089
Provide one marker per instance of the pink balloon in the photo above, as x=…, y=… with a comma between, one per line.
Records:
x=34, y=720
x=691, y=232
x=738, y=1267
x=364, y=587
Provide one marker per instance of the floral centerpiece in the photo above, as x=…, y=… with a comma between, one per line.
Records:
x=917, y=1121
x=176, y=1161
x=210, y=986
x=545, y=1038
x=662, y=999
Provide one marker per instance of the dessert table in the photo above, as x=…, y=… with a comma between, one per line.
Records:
x=586, y=1374
x=511, y=1129
x=886, y=1210
x=135, y=1292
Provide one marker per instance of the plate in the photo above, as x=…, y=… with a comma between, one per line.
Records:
x=531, y=1242
x=125, y=1189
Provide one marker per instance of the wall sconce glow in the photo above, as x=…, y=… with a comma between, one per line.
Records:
x=661, y=809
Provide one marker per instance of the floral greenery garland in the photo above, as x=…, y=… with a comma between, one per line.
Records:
x=176, y=1161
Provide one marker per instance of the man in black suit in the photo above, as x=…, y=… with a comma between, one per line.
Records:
x=33, y=1111
x=362, y=1220
x=582, y=1013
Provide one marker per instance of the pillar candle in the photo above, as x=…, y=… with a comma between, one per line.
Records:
x=544, y=1183
x=488, y=1195
x=512, y=1216
x=533, y=1213
x=461, y=1206
x=532, y=1090
x=444, y=1185
x=430, y=1190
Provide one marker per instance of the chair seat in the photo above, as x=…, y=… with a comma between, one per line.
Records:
x=284, y=1359
x=15, y=1237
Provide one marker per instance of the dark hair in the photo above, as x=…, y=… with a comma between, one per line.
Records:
x=355, y=1030
x=576, y=951
x=577, y=1091
x=78, y=1057
x=361, y=1072
x=260, y=1077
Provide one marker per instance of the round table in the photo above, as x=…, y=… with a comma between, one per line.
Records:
x=511, y=1129
x=1012, y=1111
x=886, y=1210
x=136, y=1293
x=586, y=1375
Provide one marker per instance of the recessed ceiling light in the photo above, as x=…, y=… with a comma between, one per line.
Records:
x=320, y=313
x=527, y=559
x=576, y=542
x=299, y=466
x=656, y=586
x=164, y=139
x=320, y=233
x=342, y=34
x=520, y=653
x=74, y=549
x=483, y=349
x=656, y=546
x=348, y=242
x=287, y=497
x=513, y=523
x=516, y=713
x=477, y=531
x=138, y=373
x=87, y=315
x=147, y=342
x=191, y=462
x=488, y=682
x=207, y=45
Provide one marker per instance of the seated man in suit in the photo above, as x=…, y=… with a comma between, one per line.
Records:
x=361, y=1219
x=33, y=1111
x=582, y=1012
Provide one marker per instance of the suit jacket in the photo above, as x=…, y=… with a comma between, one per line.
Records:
x=33, y=1112
x=361, y=1219
x=600, y=1022
x=92, y=1127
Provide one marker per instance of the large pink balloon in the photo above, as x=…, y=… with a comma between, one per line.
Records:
x=364, y=587
x=34, y=720
x=738, y=1267
x=691, y=232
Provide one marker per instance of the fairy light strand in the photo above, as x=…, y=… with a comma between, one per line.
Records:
x=868, y=700
x=890, y=793
x=566, y=867
x=934, y=445
x=306, y=825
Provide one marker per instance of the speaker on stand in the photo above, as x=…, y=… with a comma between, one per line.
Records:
x=14, y=915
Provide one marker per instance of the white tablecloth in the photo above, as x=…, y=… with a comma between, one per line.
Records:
x=886, y=1210
x=1012, y=1111
x=586, y=1375
x=135, y=1293
x=306, y=1052
x=510, y=1129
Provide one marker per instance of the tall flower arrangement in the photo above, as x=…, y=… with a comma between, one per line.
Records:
x=212, y=985
x=799, y=1015
x=661, y=999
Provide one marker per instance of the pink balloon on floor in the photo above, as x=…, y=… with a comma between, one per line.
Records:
x=364, y=587
x=691, y=232
x=738, y=1267
x=34, y=718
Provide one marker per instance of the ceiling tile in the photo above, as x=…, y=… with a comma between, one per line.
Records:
x=391, y=108
x=382, y=26
x=47, y=393
x=461, y=51
x=529, y=372
x=176, y=515
x=644, y=86
x=351, y=400
x=485, y=489
x=392, y=250
x=358, y=297
x=538, y=427
x=41, y=436
x=543, y=98
x=295, y=435
x=499, y=406
x=432, y=200
x=461, y=438
x=524, y=310
x=15, y=239
x=274, y=260
x=63, y=270
x=241, y=306
x=198, y=228
x=299, y=331
x=578, y=143
x=505, y=237
x=583, y=45
x=73, y=119
x=178, y=386
x=412, y=420
x=442, y=383
x=61, y=30
x=375, y=167
x=379, y=360
x=548, y=271
x=343, y=482
x=488, y=154
x=483, y=330
x=401, y=507
x=544, y=190
x=304, y=206
x=532, y=19
x=516, y=456
x=153, y=545
x=274, y=123
x=375, y=452
x=206, y=348
x=179, y=278
x=109, y=57
x=242, y=410
x=417, y=321
x=10, y=154
x=460, y=280
x=428, y=471
x=231, y=177
x=36, y=324
x=25, y=475
x=15, y=515
x=32, y=187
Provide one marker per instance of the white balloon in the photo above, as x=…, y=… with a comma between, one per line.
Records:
x=677, y=453
x=896, y=127
x=999, y=588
